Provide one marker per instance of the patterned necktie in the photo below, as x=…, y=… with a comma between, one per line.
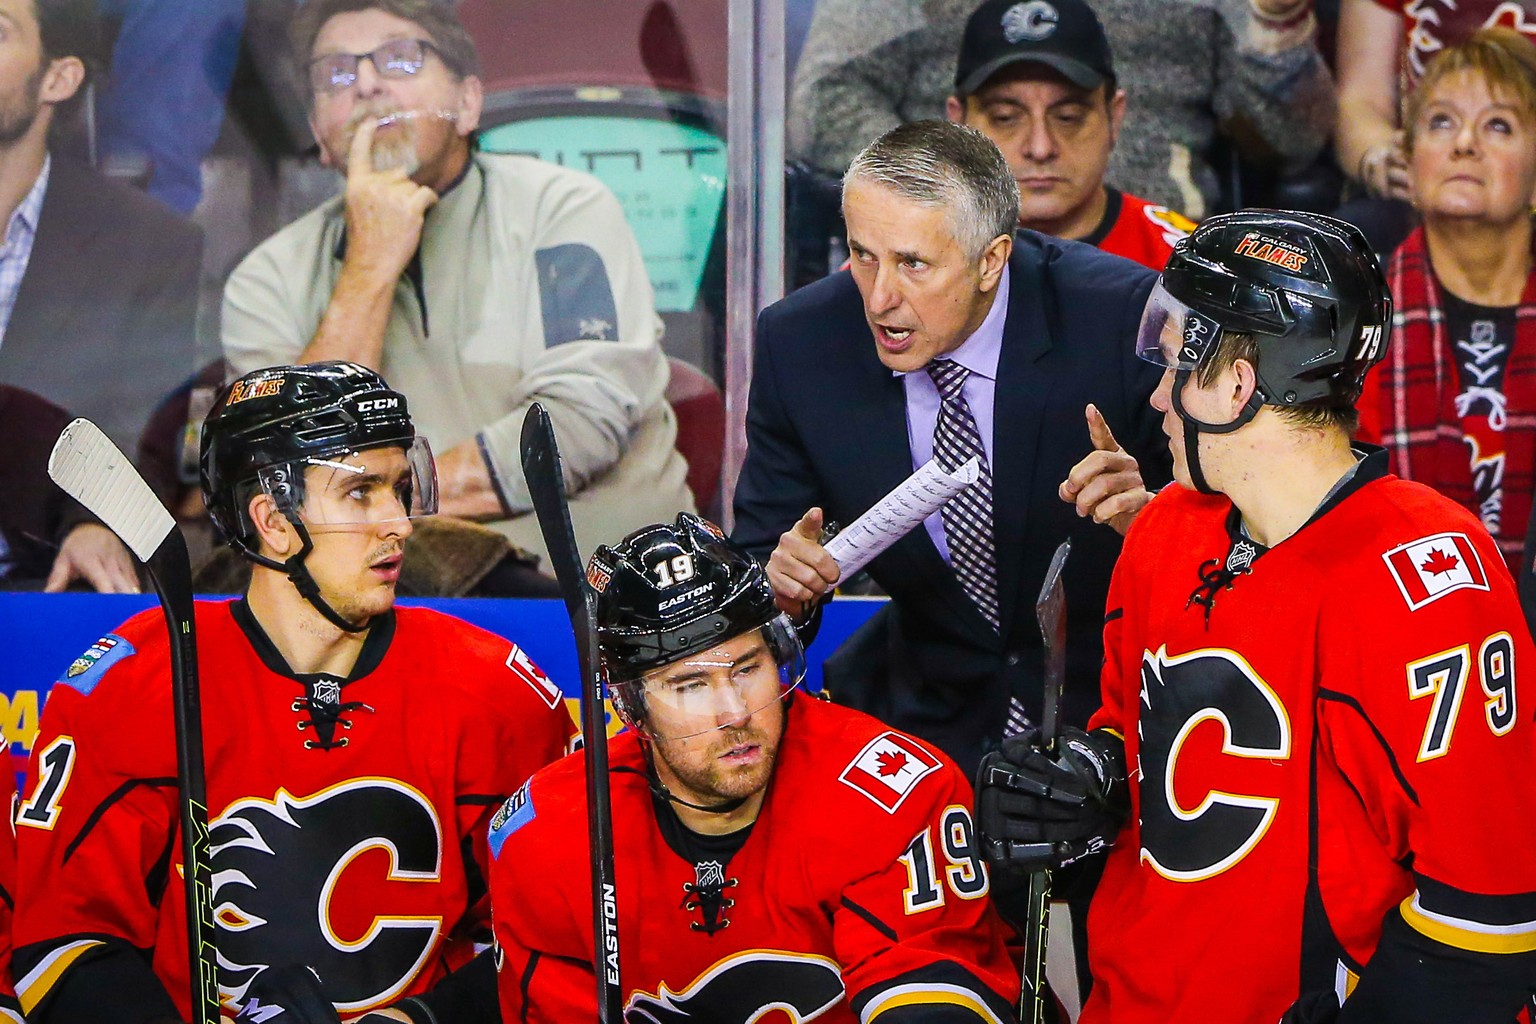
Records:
x=968, y=516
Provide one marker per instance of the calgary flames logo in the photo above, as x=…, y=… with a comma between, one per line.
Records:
x=744, y=988
x=303, y=879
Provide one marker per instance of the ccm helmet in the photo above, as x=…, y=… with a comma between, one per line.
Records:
x=1305, y=286
x=678, y=592
x=266, y=428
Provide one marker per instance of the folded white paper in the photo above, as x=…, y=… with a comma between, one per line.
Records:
x=913, y=500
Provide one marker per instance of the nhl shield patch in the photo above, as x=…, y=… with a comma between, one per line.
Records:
x=888, y=769
x=87, y=670
x=1431, y=567
x=513, y=815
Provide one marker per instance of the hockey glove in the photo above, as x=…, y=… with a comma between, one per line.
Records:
x=1034, y=813
x=287, y=995
x=1315, y=1008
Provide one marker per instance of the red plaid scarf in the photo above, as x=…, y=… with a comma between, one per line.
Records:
x=1420, y=425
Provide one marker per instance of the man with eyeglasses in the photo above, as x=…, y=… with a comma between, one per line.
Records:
x=477, y=283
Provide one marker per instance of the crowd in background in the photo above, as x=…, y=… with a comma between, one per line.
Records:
x=113, y=302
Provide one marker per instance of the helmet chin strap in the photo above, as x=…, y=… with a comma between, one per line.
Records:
x=1192, y=436
x=660, y=789
x=296, y=571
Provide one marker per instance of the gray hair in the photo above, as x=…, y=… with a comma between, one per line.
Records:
x=943, y=164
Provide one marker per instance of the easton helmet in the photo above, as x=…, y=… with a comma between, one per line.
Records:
x=271, y=425
x=1306, y=286
x=677, y=592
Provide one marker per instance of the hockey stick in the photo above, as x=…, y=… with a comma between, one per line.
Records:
x=90, y=469
x=546, y=486
x=1050, y=610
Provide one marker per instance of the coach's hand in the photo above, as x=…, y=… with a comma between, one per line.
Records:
x=1106, y=484
x=800, y=570
x=1035, y=812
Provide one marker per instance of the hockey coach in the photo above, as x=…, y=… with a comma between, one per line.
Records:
x=948, y=338
x=734, y=897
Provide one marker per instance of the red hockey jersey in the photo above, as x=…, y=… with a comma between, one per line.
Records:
x=10, y=1008
x=859, y=893
x=346, y=848
x=1138, y=230
x=1338, y=742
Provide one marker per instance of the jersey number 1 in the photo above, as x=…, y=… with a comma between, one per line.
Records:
x=53, y=767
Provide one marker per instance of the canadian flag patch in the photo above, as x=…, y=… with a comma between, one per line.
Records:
x=888, y=768
x=1428, y=569
x=523, y=667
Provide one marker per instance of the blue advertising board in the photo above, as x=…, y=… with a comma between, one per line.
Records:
x=41, y=634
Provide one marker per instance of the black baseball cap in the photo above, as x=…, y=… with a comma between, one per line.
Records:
x=1064, y=35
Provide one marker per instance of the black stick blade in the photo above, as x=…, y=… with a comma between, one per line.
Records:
x=546, y=486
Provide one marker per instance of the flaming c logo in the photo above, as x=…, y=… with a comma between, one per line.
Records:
x=278, y=865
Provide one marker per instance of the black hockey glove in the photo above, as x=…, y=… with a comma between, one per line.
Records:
x=287, y=995
x=1313, y=1008
x=1034, y=813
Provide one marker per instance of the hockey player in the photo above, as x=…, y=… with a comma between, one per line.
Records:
x=774, y=852
x=355, y=751
x=1312, y=670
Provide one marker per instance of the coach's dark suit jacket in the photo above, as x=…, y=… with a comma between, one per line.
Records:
x=826, y=425
x=104, y=323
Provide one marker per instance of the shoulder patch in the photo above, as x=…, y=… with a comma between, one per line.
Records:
x=1174, y=226
x=523, y=667
x=87, y=670
x=1429, y=568
x=513, y=815
x=888, y=769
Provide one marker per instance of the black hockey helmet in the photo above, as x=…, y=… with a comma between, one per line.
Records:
x=672, y=591
x=268, y=426
x=1306, y=286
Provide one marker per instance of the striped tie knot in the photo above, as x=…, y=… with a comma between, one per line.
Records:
x=949, y=377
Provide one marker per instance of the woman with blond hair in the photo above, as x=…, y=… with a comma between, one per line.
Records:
x=1456, y=400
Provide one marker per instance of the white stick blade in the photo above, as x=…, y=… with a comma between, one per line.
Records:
x=91, y=469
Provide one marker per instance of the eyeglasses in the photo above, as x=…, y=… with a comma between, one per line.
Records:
x=398, y=58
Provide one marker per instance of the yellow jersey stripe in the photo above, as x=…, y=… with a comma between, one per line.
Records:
x=41, y=979
x=1469, y=935
x=927, y=995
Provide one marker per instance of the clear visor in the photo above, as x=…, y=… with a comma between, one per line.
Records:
x=353, y=489
x=1173, y=335
x=723, y=686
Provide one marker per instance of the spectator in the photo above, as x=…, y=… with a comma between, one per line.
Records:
x=98, y=283
x=1383, y=47
x=1246, y=71
x=1049, y=101
x=46, y=538
x=1457, y=393
x=478, y=283
x=163, y=103
x=841, y=411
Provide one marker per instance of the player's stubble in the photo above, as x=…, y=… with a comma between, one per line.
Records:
x=696, y=761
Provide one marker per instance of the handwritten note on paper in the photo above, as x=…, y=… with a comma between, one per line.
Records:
x=914, y=499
